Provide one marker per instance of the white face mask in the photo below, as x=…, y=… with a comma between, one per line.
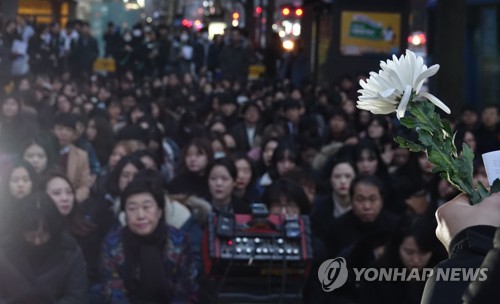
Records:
x=137, y=33
x=184, y=37
x=127, y=38
x=219, y=154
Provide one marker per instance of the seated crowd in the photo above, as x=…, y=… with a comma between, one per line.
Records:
x=108, y=184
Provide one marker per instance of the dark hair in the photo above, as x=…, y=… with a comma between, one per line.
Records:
x=31, y=172
x=56, y=105
x=248, y=105
x=338, y=111
x=367, y=180
x=330, y=166
x=251, y=163
x=468, y=108
x=215, y=120
x=371, y=147
x=66, y=120
x=291, y=104
x=272, y=132
x=58, y=174
x=422, y=229
x=14, y=95
x=145, y=108
x=104, y=140
x=308, y=127
x=36, y=208
x=290, y=191
x=51, y=175
x=491, y=106
x=226, y=163
x=145, y=152
x=143, y=185
x=201, y=144
x=305, y=178
x=227, y=98
x=47, y=144
x=154, y=176
x=285, y=149
x=382, y=121
x=460, y=137
x=113, y=180
x=133, y=132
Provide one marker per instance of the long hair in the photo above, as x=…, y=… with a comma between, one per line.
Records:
x=373, y=151
x=285, y=149
x=203, y=146
x=104, y=140
x=251, y=163
x=49, y=176
x=7, y=196
x=33, y=210
x=113, y=180
x=48, y=144
x=422, y=229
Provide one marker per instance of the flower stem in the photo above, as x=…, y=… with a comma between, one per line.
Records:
x=435, y=138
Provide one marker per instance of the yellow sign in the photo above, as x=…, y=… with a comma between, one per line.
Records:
x=105, y=65
x=256, y=71
x=370, y=33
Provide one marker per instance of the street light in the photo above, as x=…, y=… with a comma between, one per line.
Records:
x=134, y=4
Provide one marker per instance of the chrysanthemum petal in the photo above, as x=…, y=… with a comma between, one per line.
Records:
x=437, y=102
x=387, y=92
x=404, y=102
x=390, y=89
x=424, y=75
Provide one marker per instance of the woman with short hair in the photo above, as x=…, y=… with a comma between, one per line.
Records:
x=147, y=261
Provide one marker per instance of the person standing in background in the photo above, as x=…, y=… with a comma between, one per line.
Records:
x=86, y=50
x=237, y=67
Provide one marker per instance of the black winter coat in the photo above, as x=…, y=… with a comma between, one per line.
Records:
x=485, y=291
x=58, y=276
x=467, y=250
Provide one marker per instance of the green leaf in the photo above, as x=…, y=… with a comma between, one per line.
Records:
x=496, y=186
x=439, y=159
x=482, y=190
x=454, y=151
x=436, y=138
x=475, y=198
x=447, y=127
x=408, y=144
x=408, y=122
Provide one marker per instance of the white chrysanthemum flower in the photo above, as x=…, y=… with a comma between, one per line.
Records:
x=390, y=90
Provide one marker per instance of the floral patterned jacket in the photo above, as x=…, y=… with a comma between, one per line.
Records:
x=178, y=261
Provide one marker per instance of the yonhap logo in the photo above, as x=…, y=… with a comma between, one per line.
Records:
x=333, y=274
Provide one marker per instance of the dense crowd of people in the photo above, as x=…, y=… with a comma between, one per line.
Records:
x=108, y=179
